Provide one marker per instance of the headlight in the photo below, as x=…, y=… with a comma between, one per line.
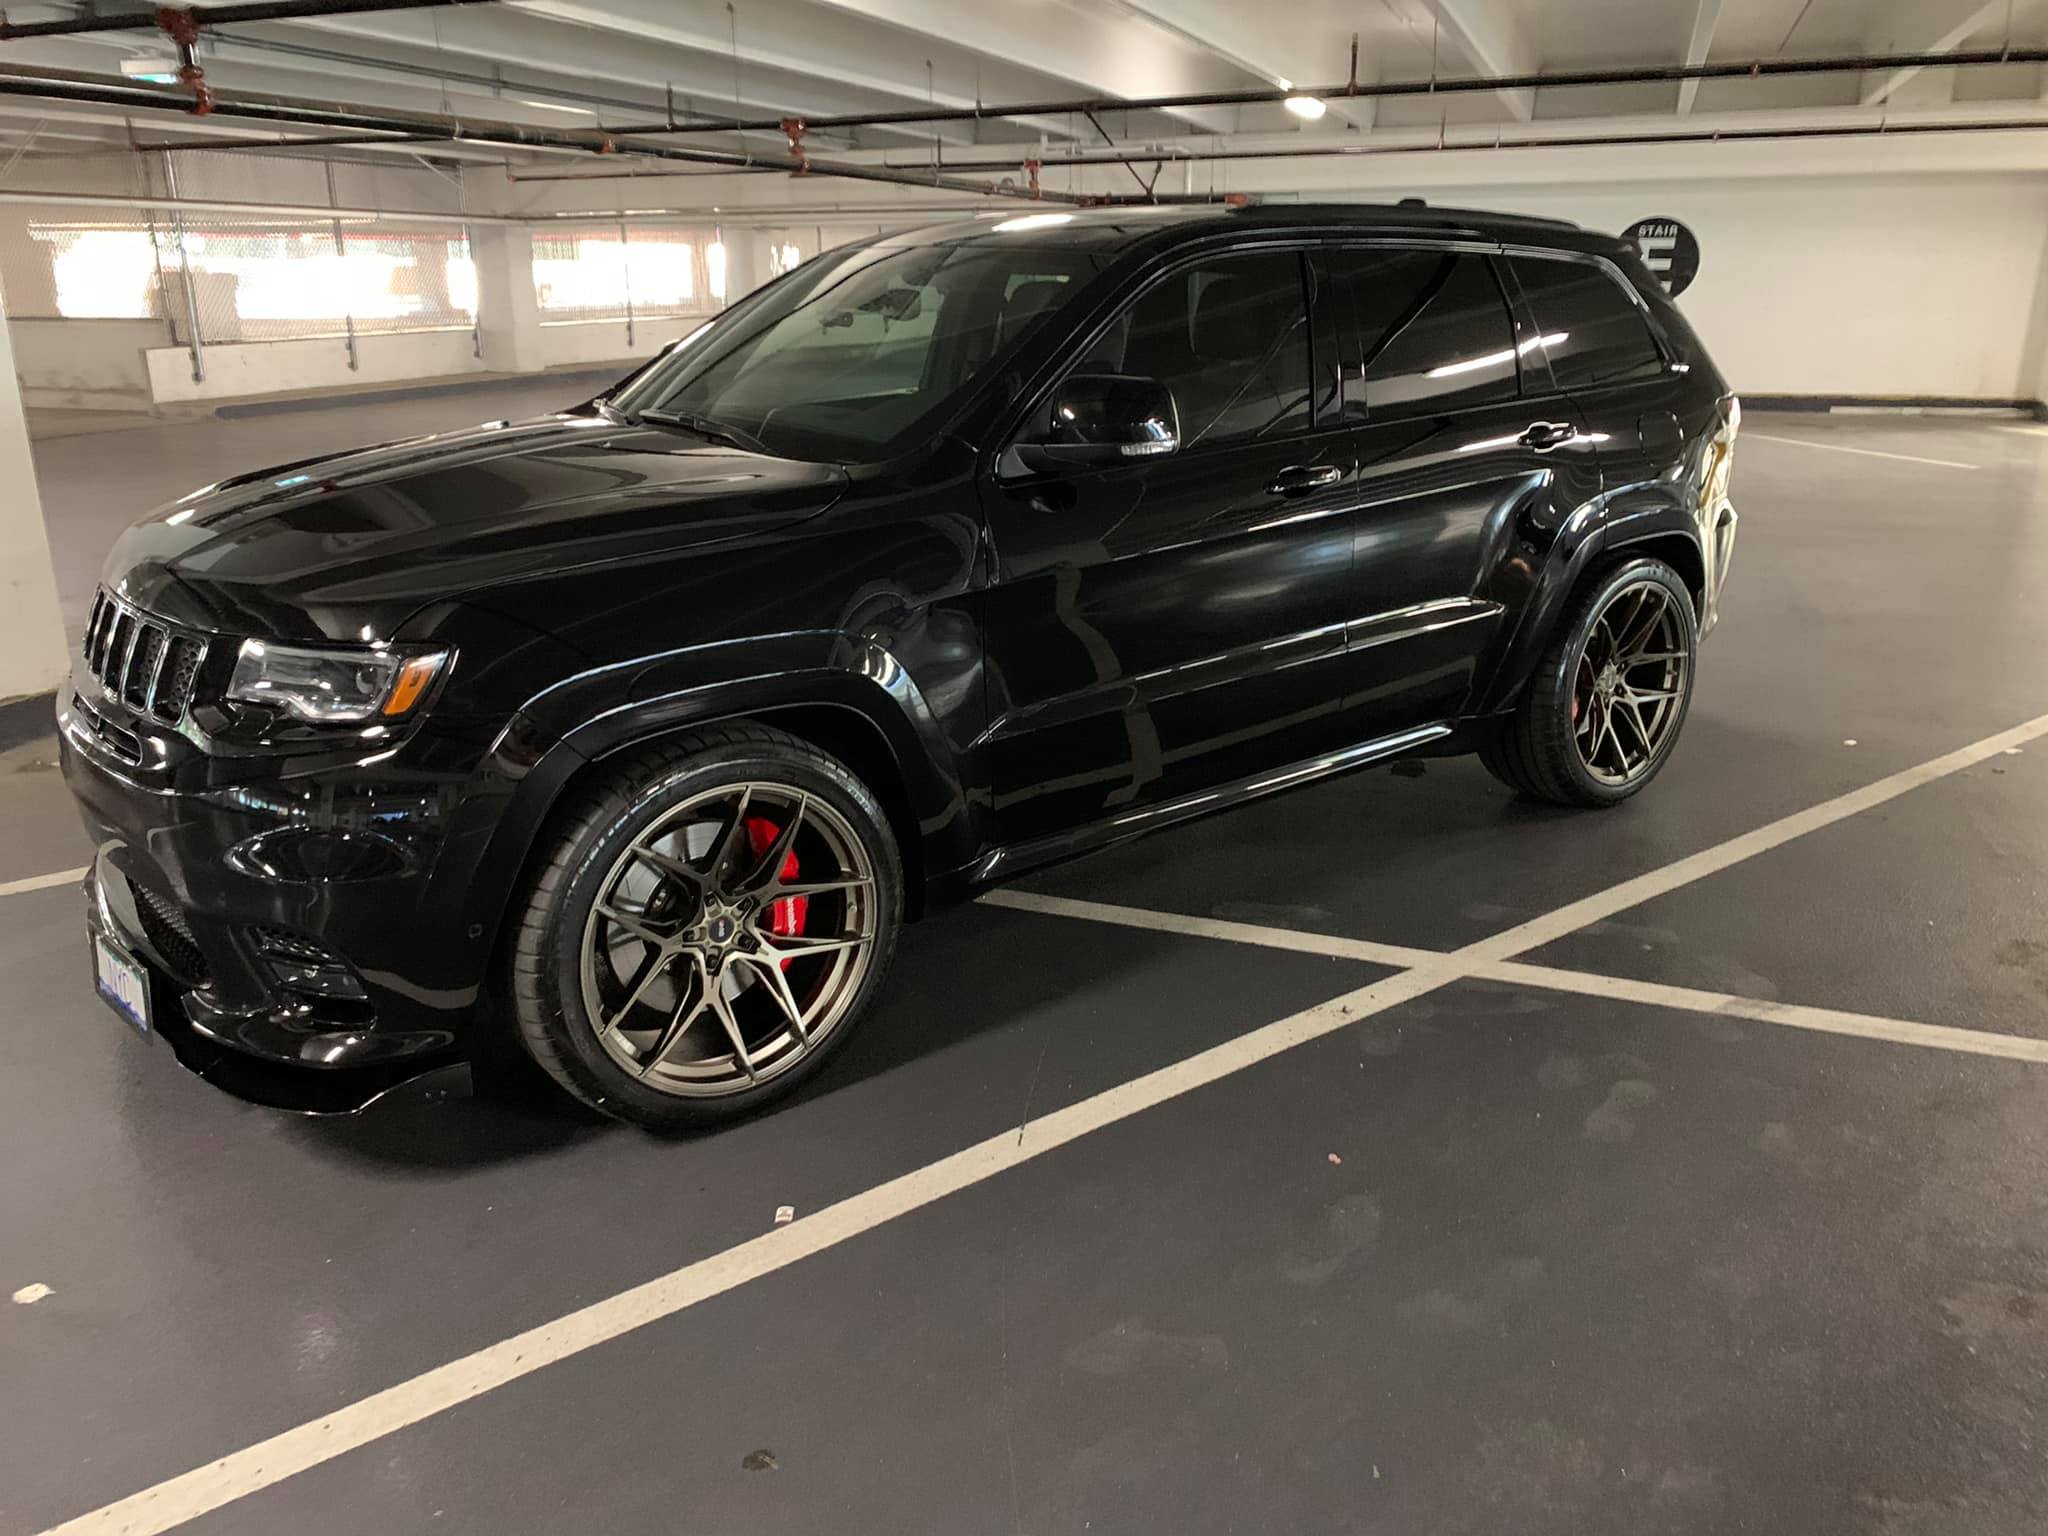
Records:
x=335, y=686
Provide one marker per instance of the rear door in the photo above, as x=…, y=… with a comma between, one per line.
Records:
x=1461, y=462
x=1604, y=351
x=1165, y=625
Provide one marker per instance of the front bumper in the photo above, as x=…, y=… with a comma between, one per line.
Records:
x=114, y=912
x=310, y=941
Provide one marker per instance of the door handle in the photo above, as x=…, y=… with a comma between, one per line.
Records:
x=1300, y=479
x=1546, y=435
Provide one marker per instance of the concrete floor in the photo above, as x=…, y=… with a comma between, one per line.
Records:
x=1474, y=1256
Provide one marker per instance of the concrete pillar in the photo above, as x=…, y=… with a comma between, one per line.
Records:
x=746, y=263
x=33, y=655
x=507, y=310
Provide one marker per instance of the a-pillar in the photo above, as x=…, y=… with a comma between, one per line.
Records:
x=507, y=309
x=33, y=655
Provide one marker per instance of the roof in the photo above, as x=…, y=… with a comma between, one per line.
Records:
x=1125, y=226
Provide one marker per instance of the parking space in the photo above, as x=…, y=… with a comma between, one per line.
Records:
x=1248, y=1198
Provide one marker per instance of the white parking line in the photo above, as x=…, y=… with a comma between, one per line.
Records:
x=1834, y=1021
x=41, y=882
x=192, y=1494
x=1869, y=453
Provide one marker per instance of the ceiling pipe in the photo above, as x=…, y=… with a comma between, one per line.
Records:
x=152, y=18
x=91, y=90
x=1657, y=74
x=1442, y=146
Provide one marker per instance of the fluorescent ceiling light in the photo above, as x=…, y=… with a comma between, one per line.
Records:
x=1307, y=108
x=154, y=71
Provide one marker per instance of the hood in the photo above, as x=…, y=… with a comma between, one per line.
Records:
x=333, y=547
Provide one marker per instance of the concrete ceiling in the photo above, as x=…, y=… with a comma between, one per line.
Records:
x=600, y=63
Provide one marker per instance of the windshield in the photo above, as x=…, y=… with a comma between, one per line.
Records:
x=852, y=356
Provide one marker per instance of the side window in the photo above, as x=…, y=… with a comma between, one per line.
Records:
x=1591, y=331
x=1431, y=331
x=1229, y=337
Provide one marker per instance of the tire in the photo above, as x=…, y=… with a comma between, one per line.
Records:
x=1575, y=694
x=727, y=962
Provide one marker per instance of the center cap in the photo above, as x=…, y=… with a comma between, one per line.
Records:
x=720, y=929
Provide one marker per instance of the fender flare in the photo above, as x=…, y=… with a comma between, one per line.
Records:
x=1597, y=538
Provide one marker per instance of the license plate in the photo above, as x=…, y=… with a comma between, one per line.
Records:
x=122, y=982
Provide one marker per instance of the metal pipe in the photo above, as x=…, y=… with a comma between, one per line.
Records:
x=215, y=15
x=1658, y=74
x=126, y=202
x=1496, y=141
x=51, y=85
x=348, y=318
x=192, y=340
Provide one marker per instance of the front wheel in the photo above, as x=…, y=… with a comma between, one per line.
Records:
x=711, y=921
x=1602, y=713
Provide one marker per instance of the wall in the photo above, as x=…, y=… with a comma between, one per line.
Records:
x=85, y=364
x=1915, y=286
x=604, y=341
x=277, y=367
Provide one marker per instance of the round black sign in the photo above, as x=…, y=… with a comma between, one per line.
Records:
x=1669, y=251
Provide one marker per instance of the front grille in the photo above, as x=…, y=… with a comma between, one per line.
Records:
x=142, y=661
x=170, y=934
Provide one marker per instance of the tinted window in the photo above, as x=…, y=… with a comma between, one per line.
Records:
x=1430, y=329
x=1590, y=330
x=1229, y=337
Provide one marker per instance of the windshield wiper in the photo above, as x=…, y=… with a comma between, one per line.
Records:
x=703, y=426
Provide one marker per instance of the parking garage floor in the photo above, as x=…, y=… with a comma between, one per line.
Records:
x=1387, y=1156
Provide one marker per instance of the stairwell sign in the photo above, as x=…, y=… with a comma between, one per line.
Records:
x=1669, y=251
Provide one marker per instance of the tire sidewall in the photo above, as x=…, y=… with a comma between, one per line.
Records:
x=601, y=1080
x=1559, y=683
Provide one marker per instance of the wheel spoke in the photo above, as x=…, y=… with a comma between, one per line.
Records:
x=822, y=887
x=688, y=1011
x=1642, y=625
x=732, y=838
x=722, y=1006
x=1630, y=713
x=796, y=946
x=769, y=974
x=1649, y=695
x=769, y=870
x=656, y=962
x=634, y=924
x=671, y=867
x=1645, y=658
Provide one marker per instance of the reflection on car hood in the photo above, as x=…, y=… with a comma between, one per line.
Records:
x=357, y=541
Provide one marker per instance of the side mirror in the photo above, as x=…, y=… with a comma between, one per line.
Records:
x=1103, y=418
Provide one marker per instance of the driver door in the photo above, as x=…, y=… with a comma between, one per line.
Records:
x=1165, y=625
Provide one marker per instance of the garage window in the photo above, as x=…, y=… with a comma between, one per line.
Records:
x=1590, y=330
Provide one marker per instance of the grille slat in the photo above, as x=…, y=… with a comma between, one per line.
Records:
x=146, y=664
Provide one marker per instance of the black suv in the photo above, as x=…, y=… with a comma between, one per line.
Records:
x=625, y=739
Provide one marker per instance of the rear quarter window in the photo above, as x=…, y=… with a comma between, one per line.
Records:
x=1590, y=330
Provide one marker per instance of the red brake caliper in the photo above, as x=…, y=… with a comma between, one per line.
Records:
x=785, y=917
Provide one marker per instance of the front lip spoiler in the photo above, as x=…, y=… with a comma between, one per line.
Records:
x=273, y=1085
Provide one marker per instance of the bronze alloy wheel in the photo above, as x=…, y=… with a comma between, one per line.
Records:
x=729, y=939
x=1627, y=686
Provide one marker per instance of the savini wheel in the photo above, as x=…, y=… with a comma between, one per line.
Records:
x=1603, y=711
x=723, y=918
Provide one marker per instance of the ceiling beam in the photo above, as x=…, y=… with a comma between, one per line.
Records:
x=1706, y=17
x=1493, y=39
x=814, y=43
x=1243, y=37
x=704, y=85
x=1085, y=45
x=1958, y=32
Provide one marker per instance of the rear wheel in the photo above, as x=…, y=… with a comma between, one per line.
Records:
x=713, y=920
x=1602, y=713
